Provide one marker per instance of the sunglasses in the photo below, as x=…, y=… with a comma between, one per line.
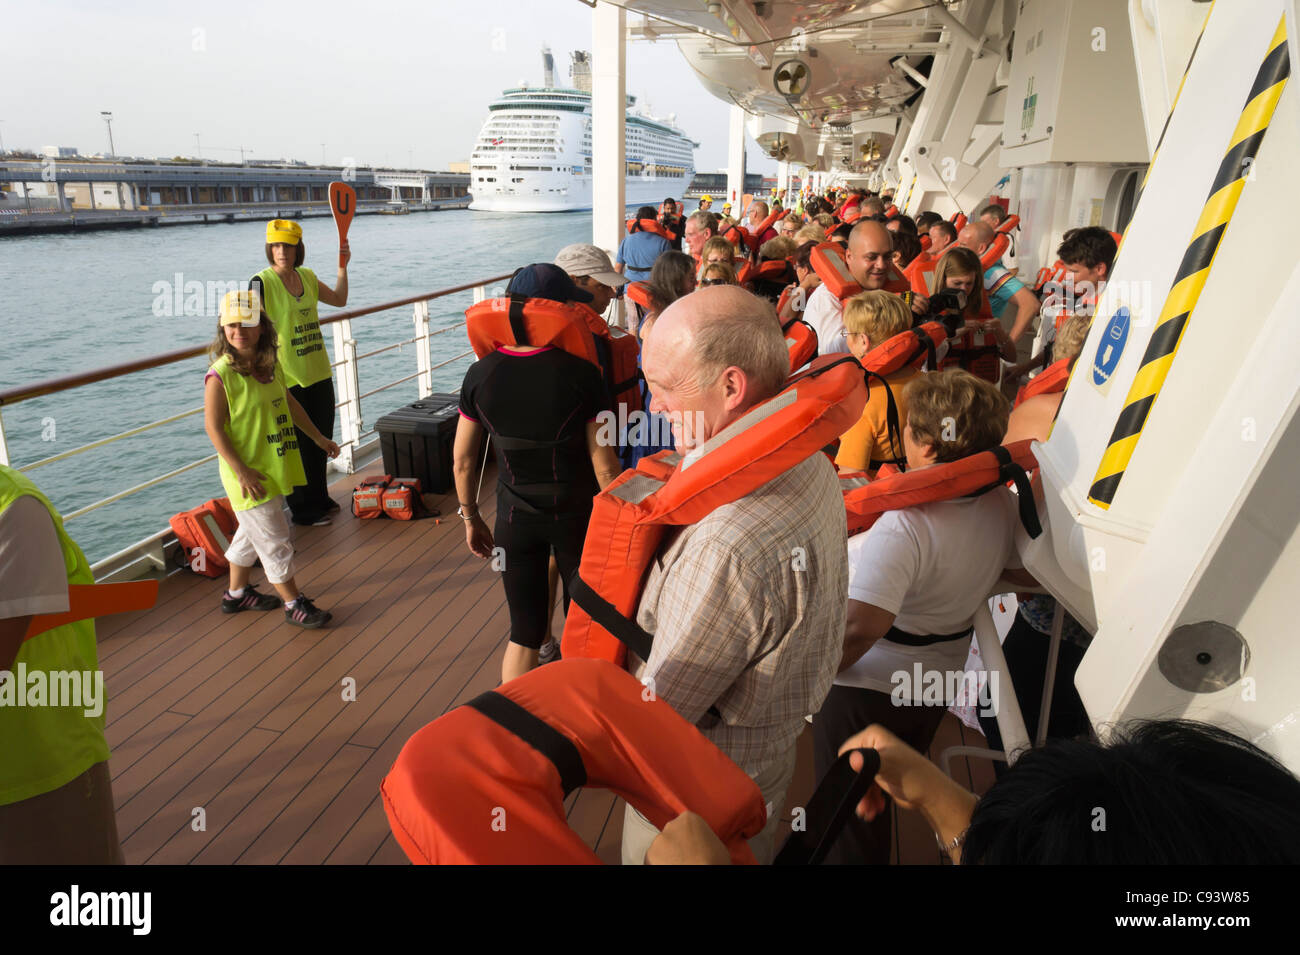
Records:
x=714, y=282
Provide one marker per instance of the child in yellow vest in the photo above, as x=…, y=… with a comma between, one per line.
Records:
x=250, y=417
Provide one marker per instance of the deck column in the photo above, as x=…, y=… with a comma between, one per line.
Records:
x=608, y=119
x=736, y=160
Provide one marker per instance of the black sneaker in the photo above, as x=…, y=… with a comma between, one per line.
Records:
x=332, y=506
x=307, y=615
x=549, y=652
x=250, y=599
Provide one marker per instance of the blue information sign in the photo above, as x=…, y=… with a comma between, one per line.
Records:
x=1110, y=347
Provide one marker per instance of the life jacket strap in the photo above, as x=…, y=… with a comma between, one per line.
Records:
x=517, y=319
x=1008, y=470
x=894, y=635
x=606, y=615
x=538, y=734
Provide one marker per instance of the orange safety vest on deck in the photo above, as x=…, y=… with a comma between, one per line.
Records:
x=630, y=517
x=486, y=782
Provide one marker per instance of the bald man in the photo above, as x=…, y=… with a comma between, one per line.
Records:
x=1012, y=303
x=870, y=260
x=758, y=211
x=745, y=638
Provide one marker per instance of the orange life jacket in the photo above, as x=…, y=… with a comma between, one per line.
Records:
x=914, y=347
x=773, y=270
x=570, y=326
x=207, y=529
x=891, y=212
x=828, y=261
x=755, y=239
x=1008, y=224
x=993, y=254
x=486, y=782
x=920, y=272
x=958, y=221
x=925, y=243
x=801, y=339
x=865, y=501
x=650, y=225
x=1049, y=381
x=630, y=517
x=977, y=351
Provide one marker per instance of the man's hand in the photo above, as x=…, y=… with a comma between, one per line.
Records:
x=687, y=840
x=920, y=304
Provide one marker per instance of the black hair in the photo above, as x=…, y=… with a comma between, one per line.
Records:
x=842, y=231
x=646, y=212
x=993, y=209
x=908, y=245
x=1090, y=245
x=905, y=223
x=927, y=219
x=1159, y=793
x=948, y=229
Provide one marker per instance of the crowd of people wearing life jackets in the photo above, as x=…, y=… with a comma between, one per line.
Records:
x=741, y=594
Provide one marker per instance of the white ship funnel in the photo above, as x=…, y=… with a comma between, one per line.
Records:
x=548, y=68
x=1169, y=478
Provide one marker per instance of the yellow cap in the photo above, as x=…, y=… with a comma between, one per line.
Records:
x=706, y=198
x=241, y=308
x=282, y=230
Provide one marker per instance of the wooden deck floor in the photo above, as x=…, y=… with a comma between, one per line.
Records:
x=232, y=739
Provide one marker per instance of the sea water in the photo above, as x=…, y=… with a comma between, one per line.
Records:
x=75, y=302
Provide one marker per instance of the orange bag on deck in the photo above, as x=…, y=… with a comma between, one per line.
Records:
x=205, y=533
x=368, y=497
x=486, y=782
x=401, y=499
x=630, y=516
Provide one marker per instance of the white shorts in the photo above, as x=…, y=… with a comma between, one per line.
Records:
x=264, y=532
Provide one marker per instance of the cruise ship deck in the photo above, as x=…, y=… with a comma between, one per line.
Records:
x=244, y=717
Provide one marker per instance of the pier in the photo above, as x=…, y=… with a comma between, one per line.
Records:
x=54, y=195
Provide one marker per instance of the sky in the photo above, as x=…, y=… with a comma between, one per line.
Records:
x=382, y=83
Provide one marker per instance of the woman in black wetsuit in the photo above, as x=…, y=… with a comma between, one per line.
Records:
x=539, y=405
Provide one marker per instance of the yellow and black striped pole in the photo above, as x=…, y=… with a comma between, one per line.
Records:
x=1194, y=268
x=909, y=193
x=1160, y=140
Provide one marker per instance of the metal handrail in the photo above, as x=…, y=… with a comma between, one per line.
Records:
x=11, y=396
x=109, y=440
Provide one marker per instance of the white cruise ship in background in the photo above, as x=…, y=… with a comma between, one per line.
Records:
x=534, y=152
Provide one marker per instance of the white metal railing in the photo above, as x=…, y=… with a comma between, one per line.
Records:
x=352, y=431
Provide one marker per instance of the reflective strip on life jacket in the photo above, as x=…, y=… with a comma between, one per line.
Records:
x=1049, y=381
x=983, y=360
x=629, y=517
x=865, y=501
x=485, y=783
x=208, y=528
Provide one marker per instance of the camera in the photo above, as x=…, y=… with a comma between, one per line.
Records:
x=946, y=307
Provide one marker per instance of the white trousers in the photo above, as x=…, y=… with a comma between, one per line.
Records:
x=264, y=532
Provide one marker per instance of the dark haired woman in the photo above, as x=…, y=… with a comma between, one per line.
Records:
x=255, y=423
x=289, y=295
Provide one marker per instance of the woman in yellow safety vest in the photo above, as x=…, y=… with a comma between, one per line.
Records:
x=289, y=294
x=256, y=424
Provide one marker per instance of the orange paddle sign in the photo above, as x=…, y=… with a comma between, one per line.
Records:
x=97, y=600
x=343, y=203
